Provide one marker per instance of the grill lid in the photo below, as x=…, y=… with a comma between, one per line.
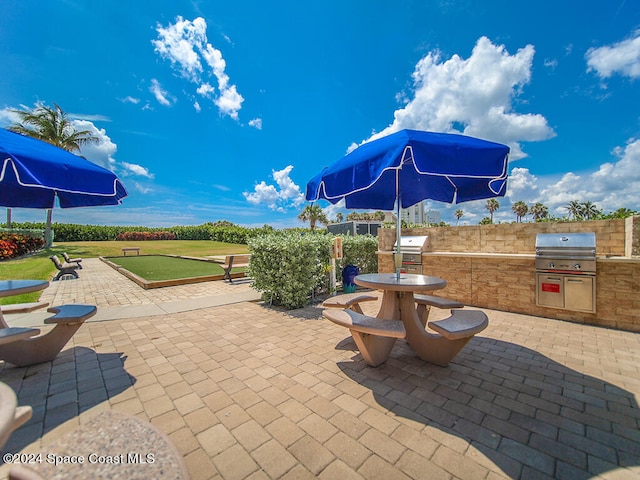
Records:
x=566, y=241
x=412, y=244
x=574, y=252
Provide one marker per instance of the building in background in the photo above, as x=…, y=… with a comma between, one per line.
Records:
x=416, y=214
x=433, y=217
x=413, y=214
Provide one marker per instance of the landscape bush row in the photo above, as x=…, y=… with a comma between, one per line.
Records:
x=219, y=231
x=289, y=267
x=141, y=236
x=14, y=245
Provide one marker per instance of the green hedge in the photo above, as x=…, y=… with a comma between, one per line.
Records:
x=287, y=267
x=219, y=231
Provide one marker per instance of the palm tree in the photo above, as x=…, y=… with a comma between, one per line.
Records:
x=622, y=213
x=313, y=214
x=590, y=210
x=575, y=209
x=339, y=217
x=459, y=214
x=520, y=209
x=492, y=205
x=53, y=126
x=538, y=211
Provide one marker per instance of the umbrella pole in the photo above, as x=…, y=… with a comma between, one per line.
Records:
x=47, y=231
x=398, y=256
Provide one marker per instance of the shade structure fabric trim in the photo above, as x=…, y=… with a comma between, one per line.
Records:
x=33, y=173
x=416, y=166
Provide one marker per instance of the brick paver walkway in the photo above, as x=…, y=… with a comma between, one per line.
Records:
x=245, y=391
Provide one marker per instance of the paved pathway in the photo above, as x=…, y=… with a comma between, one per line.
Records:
x=245, y=391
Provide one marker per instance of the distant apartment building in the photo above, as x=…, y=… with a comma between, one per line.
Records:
x=418, y=214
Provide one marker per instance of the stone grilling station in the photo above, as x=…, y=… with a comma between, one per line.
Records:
x=493, y=266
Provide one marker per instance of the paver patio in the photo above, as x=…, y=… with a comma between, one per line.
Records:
x=245, y=391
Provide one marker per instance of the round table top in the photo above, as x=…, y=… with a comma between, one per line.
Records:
x=407, y=283
x=18, y=287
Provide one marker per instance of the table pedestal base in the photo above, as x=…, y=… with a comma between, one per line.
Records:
x=431, y=347
x=373, y=348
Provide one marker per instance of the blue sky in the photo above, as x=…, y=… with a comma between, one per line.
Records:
x=213, y=110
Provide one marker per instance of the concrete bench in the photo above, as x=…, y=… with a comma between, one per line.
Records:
x=30, y=349
x=77, y=261
x=130, y=249
x=349, y=300
x=13, y=334
x=373, y=337
x=461, y=324
x=71, y=314
x=12, y=416
x=453, y=333
x=425, y=302
x=234, y=261
x=22, y=307
x=63, y=268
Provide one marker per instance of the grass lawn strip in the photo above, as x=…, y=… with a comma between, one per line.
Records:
x=160, y=267
x=155, y=271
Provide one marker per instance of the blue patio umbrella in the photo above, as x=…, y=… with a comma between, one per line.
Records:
x=34, y=173
x=406, y=167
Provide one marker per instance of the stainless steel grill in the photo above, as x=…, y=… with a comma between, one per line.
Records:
x=412, y=248
x=565, y=271
x=566, y=252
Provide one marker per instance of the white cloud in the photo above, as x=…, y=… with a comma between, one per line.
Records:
x=229, y=102
x=205, y=90
x=614, y=185
x=186, y=46
x=135, y=169
x=473, y=96
x=142, y=188
x=100, y=153
x=162, y=96
x=130, y=99
x=197, y=106
x=286, y=195
x=178, y=42
x=256, y=122
x=522, y=184
x=622, y=57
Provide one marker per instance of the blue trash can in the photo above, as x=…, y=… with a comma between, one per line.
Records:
x=349, y=272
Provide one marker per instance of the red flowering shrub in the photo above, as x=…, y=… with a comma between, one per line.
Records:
x=7, y=249
x=141, y=236
x=14, y=245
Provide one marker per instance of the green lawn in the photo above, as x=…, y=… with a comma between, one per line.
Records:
x=39, y=267
x=158, y=267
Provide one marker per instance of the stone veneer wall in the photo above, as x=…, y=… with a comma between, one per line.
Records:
x=632, y=227
x=502, y=277
x=515, y=237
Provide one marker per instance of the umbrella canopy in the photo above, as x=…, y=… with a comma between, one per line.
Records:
x=412, y=166
x=409, y=166
x=33, y=173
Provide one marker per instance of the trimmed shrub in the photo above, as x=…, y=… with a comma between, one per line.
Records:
x=287, y=267
x=142, y=236
x=359, y=250
x=15, y=245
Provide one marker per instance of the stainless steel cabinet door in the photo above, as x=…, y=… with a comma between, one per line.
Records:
x=550, y=290
x=579, y=293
